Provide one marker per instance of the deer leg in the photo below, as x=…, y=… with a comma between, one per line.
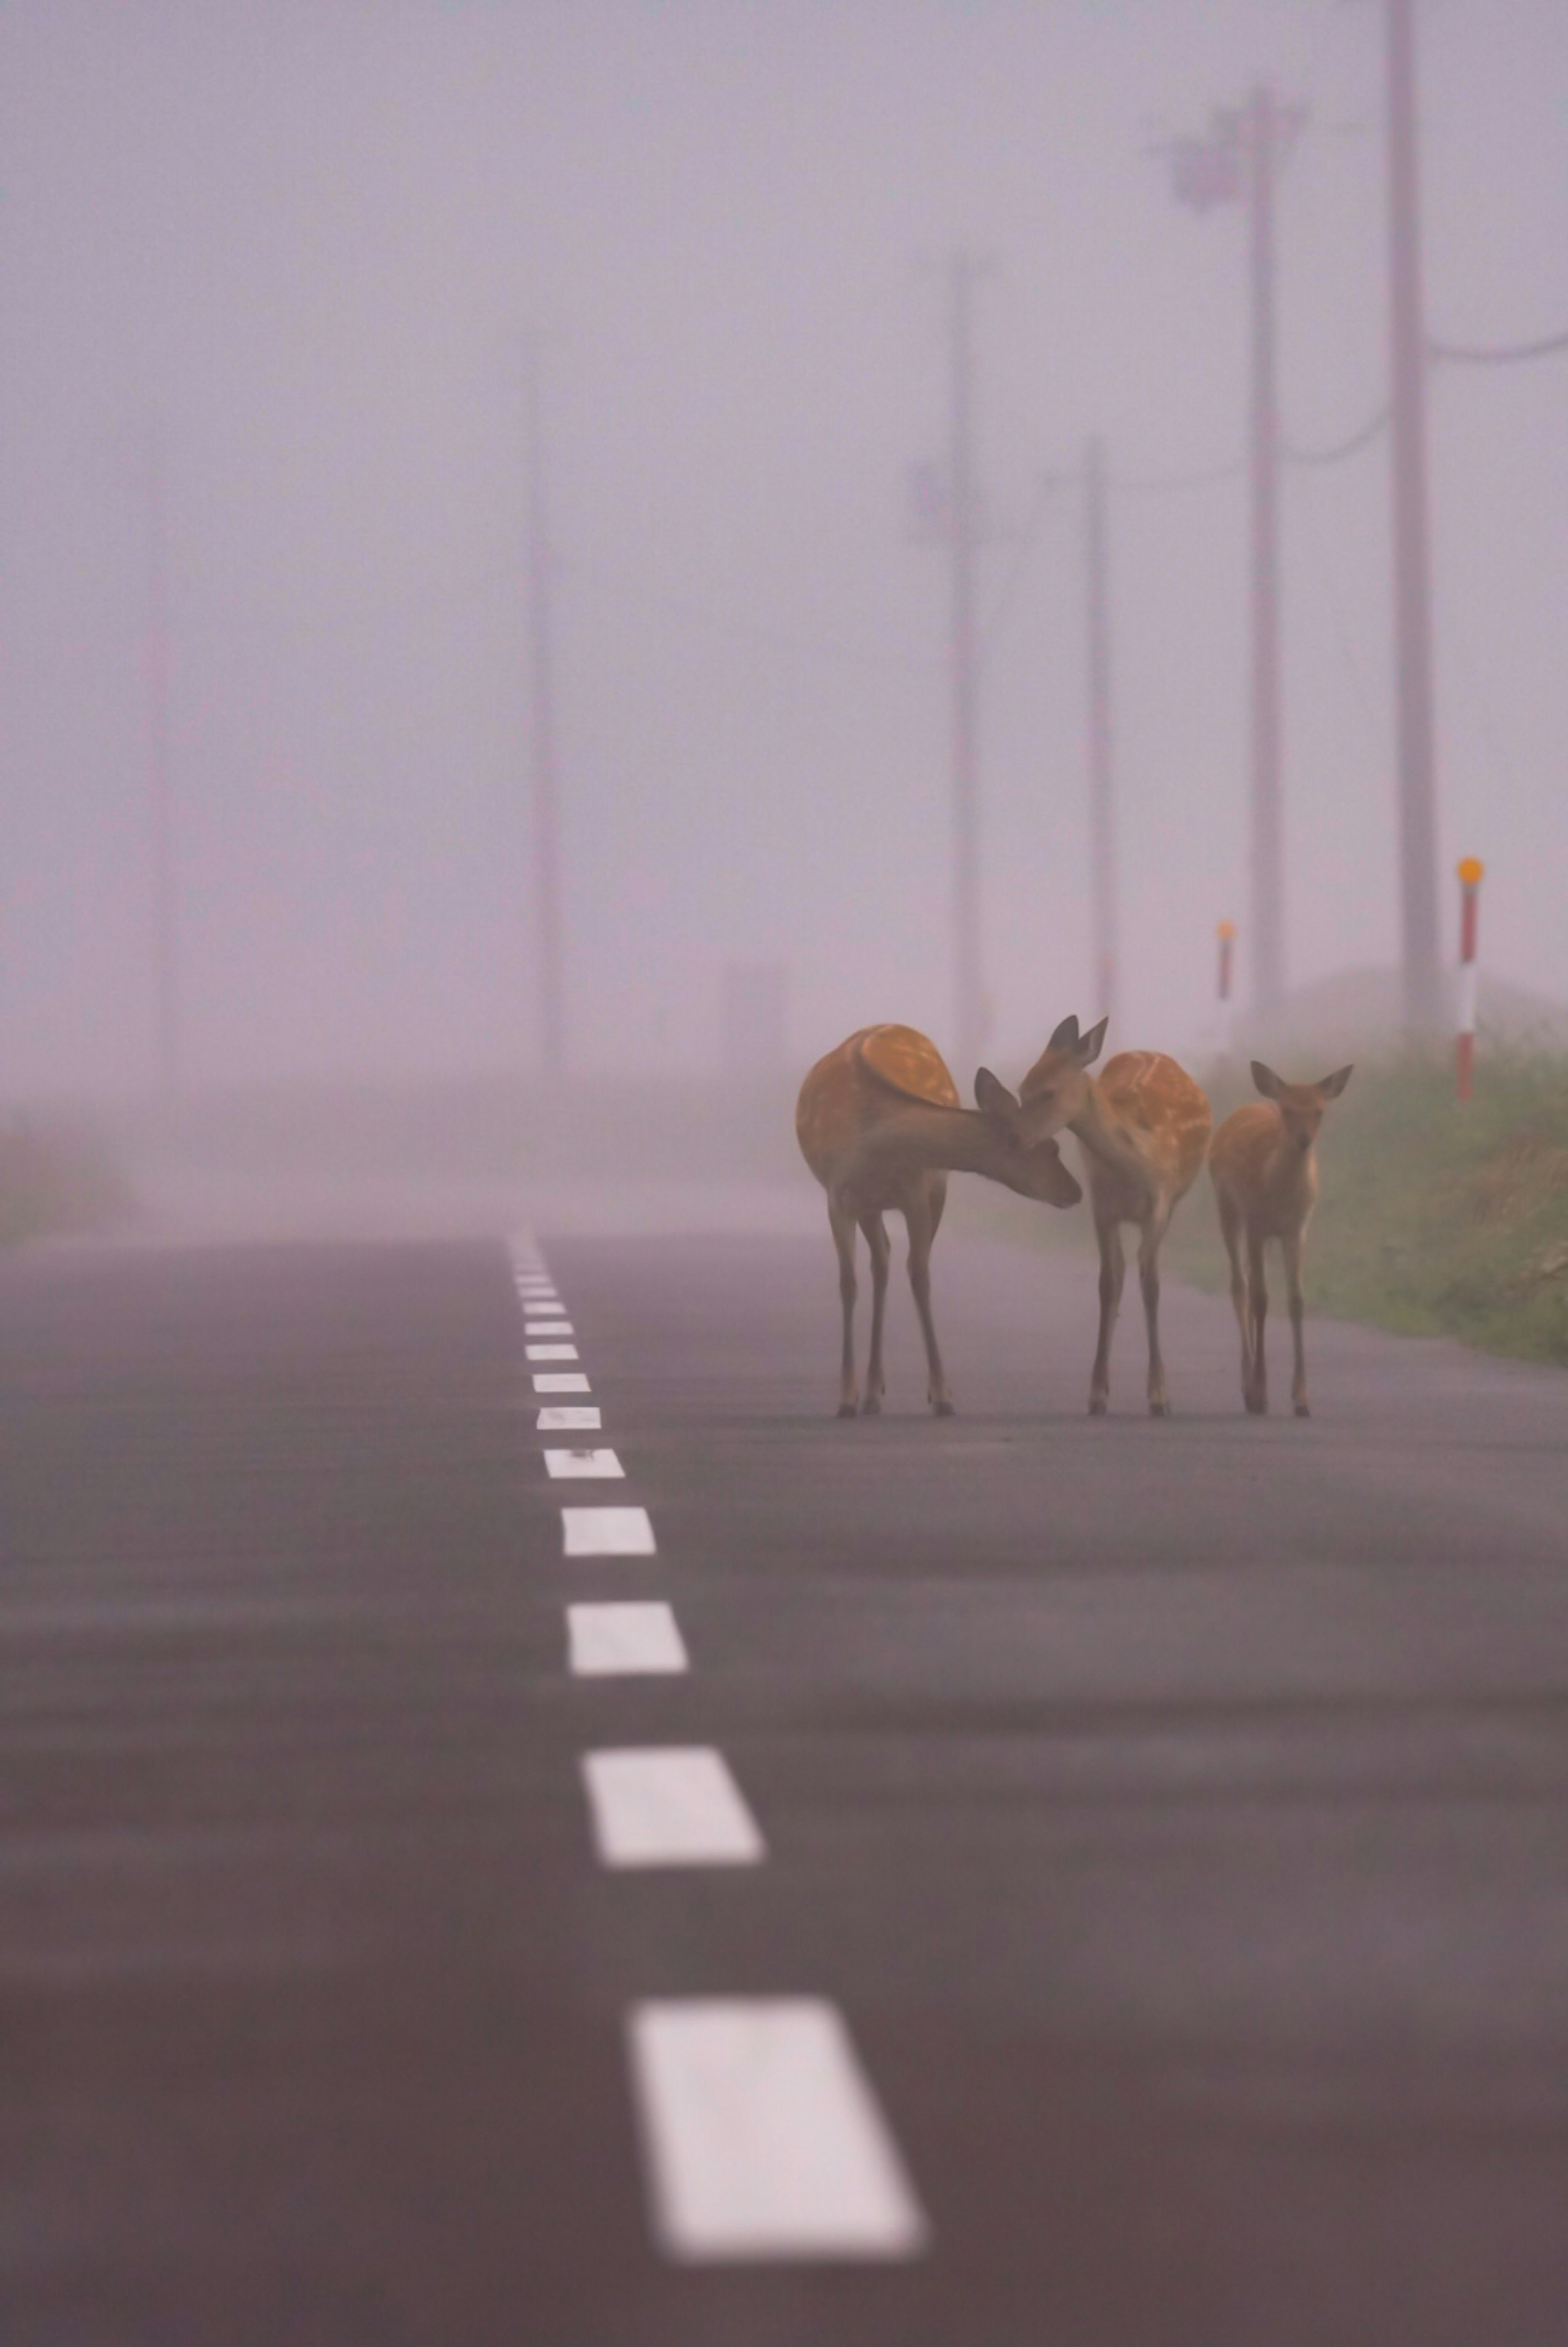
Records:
x=922, y=1225
x=1230, y=1230
x=1292, y=1247
x=843, y=1225
x=1257, y=1300
x=1112, y=1271
x=1149, y=1281
x=876, y=1232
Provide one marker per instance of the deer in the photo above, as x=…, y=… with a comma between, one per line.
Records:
x=881, y=1125
x=1144, y=1127
x=1264, y=1168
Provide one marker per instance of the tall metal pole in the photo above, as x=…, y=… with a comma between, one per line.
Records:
x=547, y=821
x=1102, y=809
x=160, y=786
x=1260, y=145
x=969, y=1003
x=1413, y=577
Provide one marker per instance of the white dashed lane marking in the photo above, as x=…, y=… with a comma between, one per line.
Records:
x=568, y=1417
x=561, y=1381
x=674, y=1805
x=762, y=2135
x=632, y=1641
x=549, y=1329
x=551, y=1352
x=608, y=1532
x=586, y=1464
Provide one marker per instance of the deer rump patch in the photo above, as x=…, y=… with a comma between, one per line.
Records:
x=910, y=1062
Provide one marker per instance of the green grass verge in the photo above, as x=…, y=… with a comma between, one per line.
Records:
x=1435, y=1217
x=55, y=1181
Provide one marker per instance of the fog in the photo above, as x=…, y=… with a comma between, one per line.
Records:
x=301, y=249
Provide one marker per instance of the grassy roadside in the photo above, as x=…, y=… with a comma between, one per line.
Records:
x=53, y=1182
x=1434, y=1219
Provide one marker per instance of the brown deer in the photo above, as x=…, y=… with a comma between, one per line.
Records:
x=881, y=1125
x=1264, y=1167
x=1144, y=1127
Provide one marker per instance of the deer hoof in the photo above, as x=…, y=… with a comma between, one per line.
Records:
x=943, y=1408
x=872, y=1407
x=1302, y=1411
x=1098, y=1405
x=1160, y=1409
x=1257, y=1404
x=848, y=1410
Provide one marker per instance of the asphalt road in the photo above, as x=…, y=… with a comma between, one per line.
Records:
x=1176, y=1814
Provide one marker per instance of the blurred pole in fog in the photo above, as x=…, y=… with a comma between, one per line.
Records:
x=969, y=1009
x=1263, y=123
x=1412, y=552
x=1102, y=807
x=547, y=821
x=161, y=795
x=1240, y=158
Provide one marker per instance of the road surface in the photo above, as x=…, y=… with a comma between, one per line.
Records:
x=1135, y=1904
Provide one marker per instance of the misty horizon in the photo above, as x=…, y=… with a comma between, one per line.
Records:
x=303, y=253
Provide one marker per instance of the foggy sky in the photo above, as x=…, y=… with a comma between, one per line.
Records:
x=305, y=244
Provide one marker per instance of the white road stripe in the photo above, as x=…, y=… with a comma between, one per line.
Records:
x=585, y=1464
x=674, y=1805
x=762, y=2135
x=552, y=1328
x=608, y=1532
x=561, y=1381
x=551, y=1352
x=565, y=1417
x=634, y=1640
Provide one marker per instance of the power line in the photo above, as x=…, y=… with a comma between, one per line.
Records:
x=1339, y=449
x=1497, y=354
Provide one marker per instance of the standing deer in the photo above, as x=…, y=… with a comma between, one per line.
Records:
x=880, y=1124
x=1264, y=1167
x=1144, y=1127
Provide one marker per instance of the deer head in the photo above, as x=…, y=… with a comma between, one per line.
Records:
x=1300, y=1106
x=1039, y=1173
x=1054, y=1093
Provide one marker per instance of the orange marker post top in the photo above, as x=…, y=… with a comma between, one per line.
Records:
x=1225, y=931
x=1470, y=869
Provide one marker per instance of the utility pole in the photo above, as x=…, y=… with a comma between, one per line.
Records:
x=1101, y=808
x=1261, y=139
x=160, y=793
x=969, y=1004
x=1412, y=574
x=1239, y=159
x=546, y=822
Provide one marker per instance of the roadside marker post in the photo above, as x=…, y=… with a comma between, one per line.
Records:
x=1470, y=869
x=1224, y=933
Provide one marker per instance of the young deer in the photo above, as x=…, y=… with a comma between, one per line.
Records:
x=1144, y=1128
x=1264, y=1173
x=880, y=1124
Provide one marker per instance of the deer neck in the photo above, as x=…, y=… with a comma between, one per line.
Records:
x=1105, y=1136
x=953, y=1141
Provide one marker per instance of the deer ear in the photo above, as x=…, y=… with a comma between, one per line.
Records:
x=992, y=1095
x=1332, y=1086
x=1268, y=1083
x=1090, y=1045
x=1064, y=1037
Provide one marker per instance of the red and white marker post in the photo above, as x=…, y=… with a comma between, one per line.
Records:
x=1225, y=931
x=1471, y=868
